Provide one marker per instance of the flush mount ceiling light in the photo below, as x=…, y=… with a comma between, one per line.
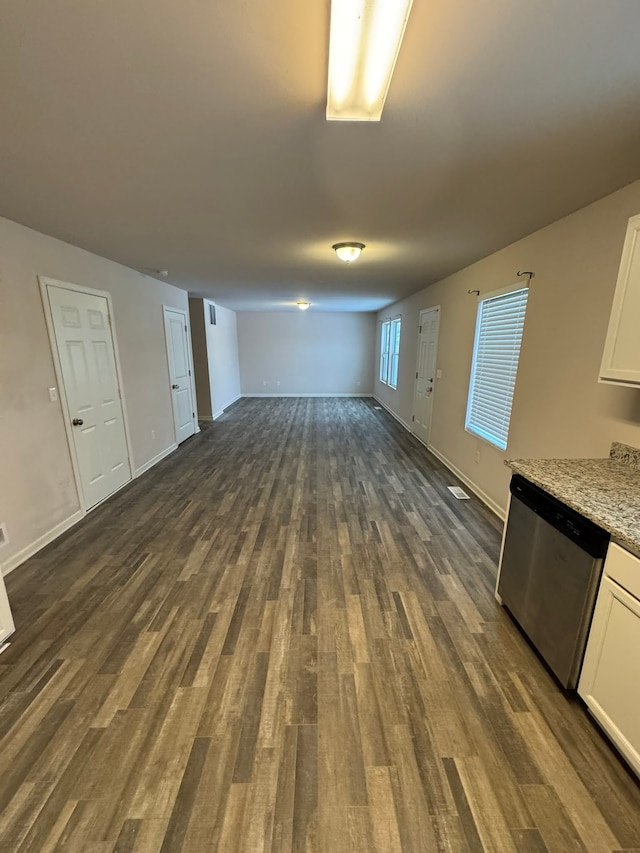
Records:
x=348, y=252
x=303, y=306
x=364, y=44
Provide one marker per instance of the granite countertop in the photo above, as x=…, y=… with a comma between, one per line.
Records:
x=607, y=491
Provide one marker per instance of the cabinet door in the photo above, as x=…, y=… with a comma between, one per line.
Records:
x=610, y=680
x=621, y=357
x=6, y=620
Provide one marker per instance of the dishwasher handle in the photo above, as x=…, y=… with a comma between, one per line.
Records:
x=584, y=532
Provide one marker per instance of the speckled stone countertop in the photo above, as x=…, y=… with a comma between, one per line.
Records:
x=605, y=490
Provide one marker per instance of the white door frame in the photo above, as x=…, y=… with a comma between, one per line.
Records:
x=415, y=382
x=62, y=394
x=194, y=402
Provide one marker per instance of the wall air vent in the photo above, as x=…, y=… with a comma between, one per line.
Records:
x=459, y=493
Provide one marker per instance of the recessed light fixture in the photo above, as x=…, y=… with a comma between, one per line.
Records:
x=303, y=306
x=364, y=44
x=348, y=252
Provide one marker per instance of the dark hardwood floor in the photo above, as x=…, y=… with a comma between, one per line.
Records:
x=284, y=638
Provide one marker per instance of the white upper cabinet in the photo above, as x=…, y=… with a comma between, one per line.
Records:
x=621, y=357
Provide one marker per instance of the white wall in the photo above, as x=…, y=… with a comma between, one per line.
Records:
x=306, y=352
x=200, y=358
x=37, y=490
x=559, y=408
x=215, y=353
x=224, y=364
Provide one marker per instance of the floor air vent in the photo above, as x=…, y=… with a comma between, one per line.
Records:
x=459, y=493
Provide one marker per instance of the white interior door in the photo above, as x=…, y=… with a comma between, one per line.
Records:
x=184, y=416
x=82, y=328
x=425, y=373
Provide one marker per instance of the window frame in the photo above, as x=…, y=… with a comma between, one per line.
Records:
x=394, y=351
x=499, y=438
x=385, y=340
x=390, y=351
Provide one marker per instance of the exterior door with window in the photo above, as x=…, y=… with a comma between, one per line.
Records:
x=82, y=330
x=425, y=373
x=175, y=326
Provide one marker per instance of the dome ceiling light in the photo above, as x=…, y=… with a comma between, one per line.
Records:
x=303, y=306
x=348, y=252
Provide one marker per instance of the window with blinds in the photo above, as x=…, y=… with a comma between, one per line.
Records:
x=496, y=350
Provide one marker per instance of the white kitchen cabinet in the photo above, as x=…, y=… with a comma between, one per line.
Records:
x=610, y=679
x=621, y=357
x=6, y=620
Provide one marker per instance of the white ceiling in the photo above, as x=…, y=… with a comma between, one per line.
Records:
x=190, y=135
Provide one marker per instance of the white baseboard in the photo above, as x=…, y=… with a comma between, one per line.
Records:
x=21, y=556
x=226, y=406
x=392, y=413
x=484, y=497
x=157, y=458
x=328, y=394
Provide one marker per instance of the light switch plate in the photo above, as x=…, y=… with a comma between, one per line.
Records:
x=53, y=395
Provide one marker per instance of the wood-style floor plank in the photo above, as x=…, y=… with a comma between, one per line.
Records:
x=284, y=638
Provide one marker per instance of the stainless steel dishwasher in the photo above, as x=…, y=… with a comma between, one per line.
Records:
x=550, y=571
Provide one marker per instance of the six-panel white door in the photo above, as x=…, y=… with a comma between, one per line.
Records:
x=82, y=329
x=175, y=324
x=425, y=373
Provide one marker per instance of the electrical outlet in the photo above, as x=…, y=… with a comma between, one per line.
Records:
x=153, y=433
x=438, y=374
x=358, y=383
x=53, y=395
x=264, y=383
x=4, y=536
x=477, y=457
x=278, y=383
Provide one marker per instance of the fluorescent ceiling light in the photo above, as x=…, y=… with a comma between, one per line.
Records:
x=364, y=43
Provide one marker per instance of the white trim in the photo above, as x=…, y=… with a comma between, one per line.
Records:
x=21, y=556
x=393, y=414
x=192, y=372
x=484, y=497
x=504, y=536
x=46, y=282
x=501, y=291
x=224, y=408
x=157, y=458
x=328, y=394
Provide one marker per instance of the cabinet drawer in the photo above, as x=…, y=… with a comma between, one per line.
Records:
x=623, y=568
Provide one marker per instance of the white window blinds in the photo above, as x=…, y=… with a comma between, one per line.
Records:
x=496, y=350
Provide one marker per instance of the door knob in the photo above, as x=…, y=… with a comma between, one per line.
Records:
x=175, y=387
x=77, y=421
